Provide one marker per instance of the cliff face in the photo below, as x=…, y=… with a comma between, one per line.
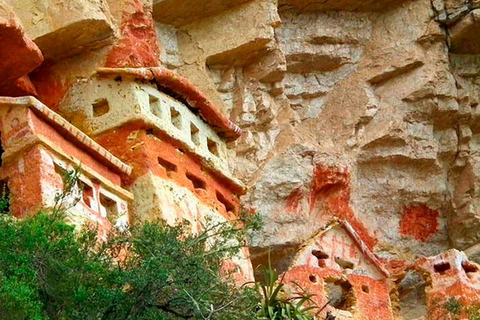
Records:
x=363, y=111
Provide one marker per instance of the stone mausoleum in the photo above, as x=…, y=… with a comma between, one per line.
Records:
x=351, y=127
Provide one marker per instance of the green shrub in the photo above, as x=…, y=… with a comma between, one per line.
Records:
x=47, y=271
x=455, y=308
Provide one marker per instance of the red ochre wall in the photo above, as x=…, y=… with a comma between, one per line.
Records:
x=372, y=305
x=31, y=175
x=136, y=147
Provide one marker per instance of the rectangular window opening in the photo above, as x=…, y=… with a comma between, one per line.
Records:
x=229, y=206
x=100, y=107
x=108, y=208
x=169, y=167
x=195, y=134
x=155, y=107
x=87, y=194
x=469, y=267
x=213, y=147
x=176, y=118
x=61, y=172
x=196, y=181
x=321, y=257
x=442, y=267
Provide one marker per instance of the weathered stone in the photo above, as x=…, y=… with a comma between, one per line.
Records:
x=347, y=5
x=170, y=55
x=464, y=35
x=137, y=46
x=270, y=68
x=203, y=45
x=66, y=28
x=185, y=12
x=321, y=45
x=18, y=54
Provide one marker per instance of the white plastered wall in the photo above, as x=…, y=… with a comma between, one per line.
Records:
x=97, y=105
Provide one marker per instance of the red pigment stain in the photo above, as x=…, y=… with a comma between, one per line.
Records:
x=419, y=222
x=331, y=189
x=137, y=46
x=50, y=87
x=395, y=267
x=18, y=54
x=328, y=180
x=18, y=88
x=293, y=200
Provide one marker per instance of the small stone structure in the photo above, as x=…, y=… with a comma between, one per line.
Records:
x=450, y=275
x=343, y=274
x=167, y=144
x=171, y=135
x=39, y=147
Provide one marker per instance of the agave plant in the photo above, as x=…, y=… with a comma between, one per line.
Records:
x=274, y=306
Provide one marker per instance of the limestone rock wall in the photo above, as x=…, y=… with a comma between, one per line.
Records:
x=366, y=94
x=364, y=111
x=360, y=110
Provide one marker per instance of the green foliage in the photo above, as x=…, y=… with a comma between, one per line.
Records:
x=276, y=305
x=47, y=271
x=172, y=276
x=455, y=308
x=4, y=201
x=474, y=312
x=67, y=198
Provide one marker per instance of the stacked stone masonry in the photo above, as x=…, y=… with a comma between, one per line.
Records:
x=351, y=127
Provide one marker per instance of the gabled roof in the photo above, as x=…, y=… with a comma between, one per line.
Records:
x=66, y=129
x=180, y=85
x=356, y=239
